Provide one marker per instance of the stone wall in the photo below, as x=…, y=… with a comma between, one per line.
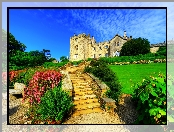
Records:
x=154, y=49
x=66, y=82
x=107, y=104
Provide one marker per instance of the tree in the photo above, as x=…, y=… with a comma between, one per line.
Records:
x=63, y=59
x=51, y=59
x=135, y=47
x=15, y=45
x=26, y=59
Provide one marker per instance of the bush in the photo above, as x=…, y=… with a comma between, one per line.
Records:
x=135, y=47
x=55, y=65
x=150, y=97
x=162, y=51
x=76, y=62
x=100, y=69
x=40, y=83
x=55, y=104
x=14, y=76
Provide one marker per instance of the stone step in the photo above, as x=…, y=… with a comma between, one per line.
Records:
x=83, y=90
x=81, y=112
x=83, y=93
x=81, y=87
x=87, y=106
x=15, y=91
x=76, y=77
x=93, y=96
x=81, y=83
x=81, y=102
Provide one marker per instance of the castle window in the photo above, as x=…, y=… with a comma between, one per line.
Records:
x=75, y=56
x=100, y=48
x=99, y=55
x=118, y=44
x=94, y=48
x=106, y=55
x=106, y=46
x=94, y=56
x=76, y=47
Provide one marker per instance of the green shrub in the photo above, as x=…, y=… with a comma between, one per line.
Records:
x=56, y=65
x=150, y=97
x=162, y=51
x=100, y=69
x=55, y=104
x=76, y=62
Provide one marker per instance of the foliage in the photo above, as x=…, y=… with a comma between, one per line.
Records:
x=15, y=45
x=41, y=82
x=146, y=57
x=104, y=73
x=51, y=59
x=162, y=51
x=76, y=62
x=150, y=97
x=63, y=59
x=89, y=59
x=14, y=76
x=135, y=47
x=55, y=104
x=21, y=60
x=55, y=65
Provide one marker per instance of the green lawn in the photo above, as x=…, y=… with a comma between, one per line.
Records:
x=130, y=74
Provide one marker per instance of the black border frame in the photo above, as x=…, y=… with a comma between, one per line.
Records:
x=8, y=8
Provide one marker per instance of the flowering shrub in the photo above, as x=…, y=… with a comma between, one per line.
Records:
x=13, y=76
x=40, y=83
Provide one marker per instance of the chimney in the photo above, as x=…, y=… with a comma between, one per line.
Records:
x=124, y=33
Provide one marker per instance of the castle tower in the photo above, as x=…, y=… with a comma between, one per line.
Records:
x=79, y=47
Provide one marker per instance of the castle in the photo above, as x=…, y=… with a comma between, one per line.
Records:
x=82, y=47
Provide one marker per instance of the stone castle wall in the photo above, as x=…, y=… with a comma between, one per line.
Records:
x=82, y=46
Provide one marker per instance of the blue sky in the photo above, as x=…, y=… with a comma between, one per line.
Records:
x=52, y=28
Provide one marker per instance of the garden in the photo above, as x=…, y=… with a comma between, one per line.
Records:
x=142, y=75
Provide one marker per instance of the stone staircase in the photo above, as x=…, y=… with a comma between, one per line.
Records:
x=84, y=99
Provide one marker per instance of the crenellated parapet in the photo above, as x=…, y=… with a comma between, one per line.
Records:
x=83, y=46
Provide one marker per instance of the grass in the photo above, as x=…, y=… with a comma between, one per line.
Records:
x=130, y=74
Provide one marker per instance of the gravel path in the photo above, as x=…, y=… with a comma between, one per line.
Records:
x=95, y=118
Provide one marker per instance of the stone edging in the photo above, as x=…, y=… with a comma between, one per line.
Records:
x=66, y=82
x=107, y=103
